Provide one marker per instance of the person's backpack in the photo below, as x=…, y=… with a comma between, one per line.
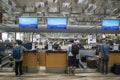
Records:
x=75, y=49
x=17, y=52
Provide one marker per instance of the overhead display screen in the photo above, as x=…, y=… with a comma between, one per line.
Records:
x=110, y=24
x=56, y=23
x=28, y=22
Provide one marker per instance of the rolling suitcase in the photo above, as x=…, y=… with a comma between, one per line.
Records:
x=116, y=69
x=91, y=63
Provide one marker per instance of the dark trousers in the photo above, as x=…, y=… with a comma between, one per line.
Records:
x=18, y=68
x=104, y=66
x=0, y=61
x=72, y=61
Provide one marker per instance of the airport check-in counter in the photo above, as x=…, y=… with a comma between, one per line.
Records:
x=114, y=58
x=56, y=61
x=53, y=61
x=30, y=61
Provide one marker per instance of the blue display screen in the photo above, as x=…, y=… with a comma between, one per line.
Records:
x=108, y=24
x=28, y=22
x=57, y=23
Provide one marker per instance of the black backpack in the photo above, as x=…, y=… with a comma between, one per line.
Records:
x=75, y=49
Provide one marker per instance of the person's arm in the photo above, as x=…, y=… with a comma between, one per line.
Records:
x=68, y=49
x=100, y=50
x=25, y=49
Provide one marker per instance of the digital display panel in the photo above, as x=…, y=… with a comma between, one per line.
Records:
x=28, y=22
x=109, y=24
x=57, y=23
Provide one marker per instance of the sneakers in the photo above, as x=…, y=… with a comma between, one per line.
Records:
x=19, y=74
x=71, y=72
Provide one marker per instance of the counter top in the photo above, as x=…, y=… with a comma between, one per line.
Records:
x=33, y=51
x=114, y=51
x=56, y=51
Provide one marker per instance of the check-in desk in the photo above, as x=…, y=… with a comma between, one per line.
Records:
x=56, y=61
x=42, y=58
x=114, y=58
x=30, y=63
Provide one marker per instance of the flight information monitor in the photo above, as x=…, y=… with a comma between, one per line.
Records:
x=56, y=23
x=28, y=22
x=110, y=24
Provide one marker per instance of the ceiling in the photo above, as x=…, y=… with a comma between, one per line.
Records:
x=82, y=15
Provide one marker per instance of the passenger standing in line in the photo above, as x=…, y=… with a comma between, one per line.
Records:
x=18, y=62
x=104, y=49
x=71, y=59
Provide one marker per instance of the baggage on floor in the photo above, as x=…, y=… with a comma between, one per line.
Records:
x=91, y=63
x=83, y=59
x=116, y=69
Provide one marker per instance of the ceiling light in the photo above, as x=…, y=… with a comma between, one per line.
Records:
x=40, y=4
x=30, y=9
x=66, y=5
x=53, y=9
x=16, y=12
x=80, y=1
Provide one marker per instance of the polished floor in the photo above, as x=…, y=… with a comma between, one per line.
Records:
x=56, y=76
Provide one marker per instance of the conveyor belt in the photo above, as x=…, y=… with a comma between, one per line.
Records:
x=5, y=61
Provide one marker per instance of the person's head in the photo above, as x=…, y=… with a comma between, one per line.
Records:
x=71, y=41
x=115, y=41
x=76, y=42
x=19, y=42
x=103, y=41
